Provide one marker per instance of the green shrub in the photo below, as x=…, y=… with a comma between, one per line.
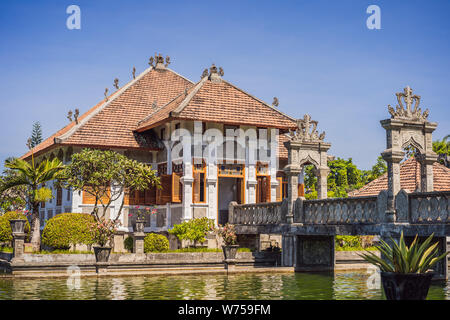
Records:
x=350, y=243
x=154, y=242
x=5, y=226
x=128, y=243
x=194, y=229
x=67, y=229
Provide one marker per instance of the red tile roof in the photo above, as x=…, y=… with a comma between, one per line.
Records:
x=111, y=123
x=221, y=102
x=409, y=179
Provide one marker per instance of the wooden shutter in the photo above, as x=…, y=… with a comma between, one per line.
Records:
x=58, y=196
x=267, y=189
x=176, y=188
x=90, y=199
x=196, y=193
x=150, y=195
x=141, y=197
x=301, y=190
x=164, y=195
x=280, y=189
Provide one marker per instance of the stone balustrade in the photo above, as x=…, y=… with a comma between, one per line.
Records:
x=338, y=211
x=257, y=213
x=428, y=207
x=413, y=208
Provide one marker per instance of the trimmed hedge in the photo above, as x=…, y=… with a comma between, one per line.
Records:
x=153, y=242
x=66, y=229
x=5, y=226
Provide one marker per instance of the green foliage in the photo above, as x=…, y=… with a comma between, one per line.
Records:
x=128, y=243
x=344, y=177
x=66, y=229
x=194, y=229
x=154, y=242
x=399, y=258
x=442, y=146
x=93, y=170
x=351, y=243
x=102, y=231
x=36, y=135
x=5, y=226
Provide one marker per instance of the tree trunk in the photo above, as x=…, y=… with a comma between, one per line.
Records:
x=35, y=228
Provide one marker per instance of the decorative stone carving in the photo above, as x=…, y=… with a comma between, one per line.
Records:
x=408, y=113
x=306, y=131
x=408, y=126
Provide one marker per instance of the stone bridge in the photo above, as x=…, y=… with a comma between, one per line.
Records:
x=308, y=227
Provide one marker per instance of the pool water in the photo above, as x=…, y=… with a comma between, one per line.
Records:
x=297, y=286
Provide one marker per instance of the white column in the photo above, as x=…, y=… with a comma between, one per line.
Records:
x=273, y=164
x=187, y=180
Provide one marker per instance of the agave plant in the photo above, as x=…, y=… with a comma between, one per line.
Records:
x=399, y=258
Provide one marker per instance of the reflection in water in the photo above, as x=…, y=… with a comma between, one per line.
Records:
x=348, y=285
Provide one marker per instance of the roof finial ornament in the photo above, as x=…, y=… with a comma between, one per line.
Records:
x=167, y=61
x=205, y=73
x=106, y=94
x=75, y=115
x=214, y=75
x=306, y=131
x=69, y=115
x=410, y=112
x=185, y=91
x=116, y=83
x=275, y=102
x=150, y=62
x=134, y=72
x=29, y=143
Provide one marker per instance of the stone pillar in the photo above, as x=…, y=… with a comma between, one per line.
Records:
x=292, y=173
x=18, y=246
x=426, y=172
x=322, y=183
x=288, y=250
x=314, y=253
x=393, y=159
x=138, y=242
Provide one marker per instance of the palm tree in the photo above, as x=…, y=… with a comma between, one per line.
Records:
x=32, y=177
x=442, y=148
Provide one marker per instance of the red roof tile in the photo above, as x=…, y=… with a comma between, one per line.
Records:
x=409, y=179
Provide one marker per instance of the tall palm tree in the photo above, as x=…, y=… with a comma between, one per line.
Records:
x=32, y=177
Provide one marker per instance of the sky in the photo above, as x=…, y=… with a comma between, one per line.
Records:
x=318, y=57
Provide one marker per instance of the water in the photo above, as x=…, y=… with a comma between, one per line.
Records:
x=298, y=286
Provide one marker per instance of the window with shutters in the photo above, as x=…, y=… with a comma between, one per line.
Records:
x=263, y=183
x=89, y=198
x=162, y=169
x=164, y=194
x=59, y=196
x=199, y=186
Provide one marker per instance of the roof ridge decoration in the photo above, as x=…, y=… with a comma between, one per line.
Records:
x=306, y=131
x=158, y=62
x=213, y=75
x=408, y=113
x=107, y=102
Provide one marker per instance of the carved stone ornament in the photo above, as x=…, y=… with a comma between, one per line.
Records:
x=409, y=112
x=116, y=83
x=306, y=131
x=275, y=102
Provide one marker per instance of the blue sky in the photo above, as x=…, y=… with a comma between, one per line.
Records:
x=317, y=57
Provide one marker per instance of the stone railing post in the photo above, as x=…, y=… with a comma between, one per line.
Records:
x=18, y=227
x=231, y=217
x=138, y=237
x=298, y=213
x=402, y=206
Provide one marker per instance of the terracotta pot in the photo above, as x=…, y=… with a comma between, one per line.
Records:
x=139, y=225
x=230, y=251
x=102, y=253
x=17, y=225
x=406, y=286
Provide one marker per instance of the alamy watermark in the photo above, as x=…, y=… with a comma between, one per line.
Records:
x=74, y=280
x=74, y=20
x=374, y=20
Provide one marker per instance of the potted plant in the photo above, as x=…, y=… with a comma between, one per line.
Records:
x=140, y=217
x=229, y=237
x=103, y=231
x=405, y=271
